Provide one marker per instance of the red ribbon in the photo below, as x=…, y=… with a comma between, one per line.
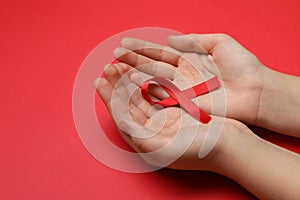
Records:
x=182, y=98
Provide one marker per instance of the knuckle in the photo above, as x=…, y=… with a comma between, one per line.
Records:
x=224, y=37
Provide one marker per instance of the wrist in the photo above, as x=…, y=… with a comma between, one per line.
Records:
x=279, y=101
x=259, y=166
x=235, y=152
x=233, y=136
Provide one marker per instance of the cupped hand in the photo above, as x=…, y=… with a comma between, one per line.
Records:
x=167, y=137
x=198, y=57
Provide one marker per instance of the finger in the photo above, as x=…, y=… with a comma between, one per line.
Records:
x=113, y=98
x=130, y=57
x=122, y=68
x=140, y=108
x=105, y=90
x=152, y=50
x=160, y=69
x=116, y=74
x=195, y=65
x=115, y=90
x=144, y=64
x=158, y=92
x=138, y=100
x=124, y=85
x=139, y=78
x=201, y=43
x=137, y=115
x=112, y=74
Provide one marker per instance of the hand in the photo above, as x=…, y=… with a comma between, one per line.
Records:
x=238, y=154
x=241, y=72
x=166, y=137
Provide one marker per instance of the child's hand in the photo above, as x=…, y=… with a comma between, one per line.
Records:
x=241, y=72
x=170, y=137
x=167, y=137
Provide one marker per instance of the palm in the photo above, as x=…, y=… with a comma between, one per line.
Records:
x=240, y=71
x=164, y=126
x=242, y=74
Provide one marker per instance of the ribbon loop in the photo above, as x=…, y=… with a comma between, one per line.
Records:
x=182, y=98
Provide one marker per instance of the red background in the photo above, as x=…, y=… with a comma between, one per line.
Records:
x=42, y=46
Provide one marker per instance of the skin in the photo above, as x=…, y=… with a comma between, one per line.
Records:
x=139, y=110
x=251, y=87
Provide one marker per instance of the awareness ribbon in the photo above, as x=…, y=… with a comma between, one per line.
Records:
x=182, y=98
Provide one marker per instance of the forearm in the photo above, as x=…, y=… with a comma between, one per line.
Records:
x=279, y=108
x=266, y=170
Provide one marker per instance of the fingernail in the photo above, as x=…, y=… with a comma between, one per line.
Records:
x=176, y=36
x=165, y=94
x=125, y=41
x=105, y=67
x=130, y=43
x=118, y=52
x=136, y=78
x=96, y=82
